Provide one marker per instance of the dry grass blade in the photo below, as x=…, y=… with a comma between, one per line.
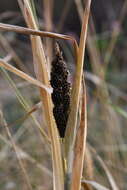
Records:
x=66, y=9
x=23, y=103
x=22, y=119
x=109, y=175
x=24, y=173
x=96, y=185
x=80, y=146
x=23, y=75
x=115, y=34
x=42, y=75
x=9, y=49
x=85, y=186
x=48, y=13
x=36, y=32
x=76, y=90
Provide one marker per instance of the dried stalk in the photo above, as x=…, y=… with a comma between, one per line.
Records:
x=36, y=32
x=80, y=146
x=42, y=75
x=48, y=14
x=76, y=90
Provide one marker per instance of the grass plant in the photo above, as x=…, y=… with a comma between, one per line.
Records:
x=74, y=161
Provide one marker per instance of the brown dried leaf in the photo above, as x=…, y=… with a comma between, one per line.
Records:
x=80, y=146
x=76, y=90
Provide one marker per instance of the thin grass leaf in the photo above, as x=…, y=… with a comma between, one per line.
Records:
x=48, y=14
x=23, y=75
x=119, y=110
x=107, y=172
x=26, y=156
x=76, y=90
x=114, y=36
x=80, y=146
x=22, y=119
x=24, y=172
x=9, y=49
x=36, y=32
x=34, y=10
x=96, y=185
x=23, y=103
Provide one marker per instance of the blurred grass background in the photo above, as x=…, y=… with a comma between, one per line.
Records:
x=105, y=72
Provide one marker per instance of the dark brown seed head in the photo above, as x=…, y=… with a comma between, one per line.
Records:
x=61, y=91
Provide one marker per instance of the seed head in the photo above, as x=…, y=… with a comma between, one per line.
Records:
x=61, y=91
